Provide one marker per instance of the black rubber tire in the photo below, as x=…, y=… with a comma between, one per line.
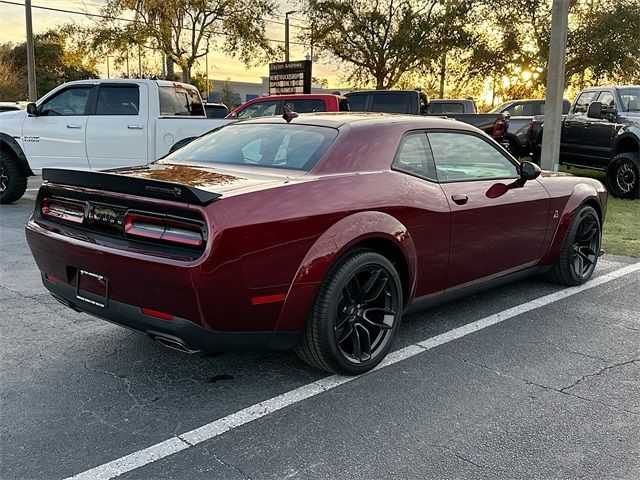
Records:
x=514, y=148
x=15, y=181
x=536, y=154
x=317, y=345
x=629, y=161
x=562, y=271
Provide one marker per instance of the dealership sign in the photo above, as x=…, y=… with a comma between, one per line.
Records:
x=290, y=77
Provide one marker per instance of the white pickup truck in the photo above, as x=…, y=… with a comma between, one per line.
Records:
x=95, y=125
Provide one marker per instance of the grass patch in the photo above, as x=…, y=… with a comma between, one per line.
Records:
x=621, y=234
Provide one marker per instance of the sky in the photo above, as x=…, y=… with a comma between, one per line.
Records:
x=221, y=67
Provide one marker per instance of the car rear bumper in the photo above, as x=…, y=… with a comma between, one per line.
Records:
x=177, y=333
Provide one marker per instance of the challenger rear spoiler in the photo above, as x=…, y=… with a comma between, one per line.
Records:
x=175, y=192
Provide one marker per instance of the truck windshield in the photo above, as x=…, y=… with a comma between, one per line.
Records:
x=630, y=99
x=180, y=100
x=296, y=147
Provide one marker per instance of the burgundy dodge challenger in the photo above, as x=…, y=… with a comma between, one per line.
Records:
x=314, y=233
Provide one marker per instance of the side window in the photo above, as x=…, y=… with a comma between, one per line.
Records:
x=343, y=105
x=582, y=104
x=414, y=156
x=390, y=103
x=607, y=100
x=521, y=109
x=444, y=108
x=118, y=101
x=305, y=106
x=358, y=102
x=259, y=109
x=460, y=156
x=72, y=101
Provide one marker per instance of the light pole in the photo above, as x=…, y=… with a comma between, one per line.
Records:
x=286, y=34
x=108, y=57
x=31, y=56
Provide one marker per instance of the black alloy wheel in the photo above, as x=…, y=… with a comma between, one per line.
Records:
x=586, y=246
x=623, y=179
x=13, y=182
x=365, y=314
x=4, y=179
x=580, y=251
x=355, y=315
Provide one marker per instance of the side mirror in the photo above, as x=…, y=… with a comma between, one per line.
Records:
x=529, y=171
x=32, y=109
x=595, y=110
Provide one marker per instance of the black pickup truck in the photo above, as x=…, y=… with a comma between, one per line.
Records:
x=601, y=132
x=415, y=102
x=521, y=113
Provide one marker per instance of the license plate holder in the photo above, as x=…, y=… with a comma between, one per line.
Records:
x=92, y=288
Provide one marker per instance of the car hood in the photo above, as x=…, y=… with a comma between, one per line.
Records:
x=221, y=180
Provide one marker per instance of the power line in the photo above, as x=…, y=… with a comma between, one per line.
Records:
x=107, y=17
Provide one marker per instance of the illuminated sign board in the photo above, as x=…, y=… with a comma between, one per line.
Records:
x=286, y=78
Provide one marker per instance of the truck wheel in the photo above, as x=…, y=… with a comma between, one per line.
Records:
x=623, y=180
x=355, y=316
x=13, y=182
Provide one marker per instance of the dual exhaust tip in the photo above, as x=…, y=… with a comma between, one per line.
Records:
x=172, y=343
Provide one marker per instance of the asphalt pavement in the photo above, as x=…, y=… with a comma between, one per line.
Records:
x=552, y=392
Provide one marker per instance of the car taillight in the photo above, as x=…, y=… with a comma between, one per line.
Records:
x=162, y=228
x=499, y=127
x=63, y=209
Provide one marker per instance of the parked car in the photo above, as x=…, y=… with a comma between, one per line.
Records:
x=315, y=234
x=216, y=110
x=448, y=106
x=9, y=106
x=97, y=124
x=415, y=102
x=521, y=112
x=601, y=132
x=300, y=103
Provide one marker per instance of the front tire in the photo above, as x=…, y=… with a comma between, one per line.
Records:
x=355, y=315
x=13, y=183
x=579, y=253
x=623, y=180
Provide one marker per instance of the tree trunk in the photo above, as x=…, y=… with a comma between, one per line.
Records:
x=170, y=70
x=186, y=75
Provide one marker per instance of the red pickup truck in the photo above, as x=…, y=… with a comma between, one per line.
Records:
x=301, y=103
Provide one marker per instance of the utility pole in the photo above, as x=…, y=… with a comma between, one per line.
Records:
x=443, y=71
x=139, y=62
x=128, y=76
x=555, y=86
x=31, y=55
x=108, y=76
x=206, y=70
x=286, y=34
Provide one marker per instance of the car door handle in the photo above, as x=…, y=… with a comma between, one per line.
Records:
x=135, y=127
x=73, y=125
x=459, y=198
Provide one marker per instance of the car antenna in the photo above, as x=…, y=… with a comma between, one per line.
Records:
x=289, y=114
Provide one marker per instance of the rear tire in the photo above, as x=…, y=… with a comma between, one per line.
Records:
x=579, y=253
x=355, y=315
x=623, y=180
x=13, y=182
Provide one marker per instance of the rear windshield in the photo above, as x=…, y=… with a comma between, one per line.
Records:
x=180, y=100
x=287, y=146
x=452, y=107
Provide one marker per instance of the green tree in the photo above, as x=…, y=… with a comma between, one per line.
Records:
x=380, y=41
x=186, y=30
x=57, y=61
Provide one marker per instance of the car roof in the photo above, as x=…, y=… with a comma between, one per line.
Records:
x=365, y=119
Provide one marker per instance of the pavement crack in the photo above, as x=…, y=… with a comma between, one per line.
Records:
x=563, y=390
x=136, y=402
x=598, y=373
x=226, y=464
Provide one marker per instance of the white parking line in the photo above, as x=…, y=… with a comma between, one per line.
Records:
x=186, y=440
